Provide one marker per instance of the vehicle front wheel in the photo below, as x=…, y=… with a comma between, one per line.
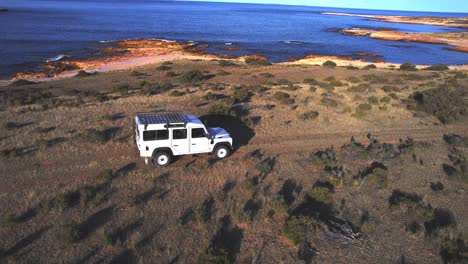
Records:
x=221, y=152
x=162, y=159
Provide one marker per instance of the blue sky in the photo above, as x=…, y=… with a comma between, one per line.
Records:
x=460, y=6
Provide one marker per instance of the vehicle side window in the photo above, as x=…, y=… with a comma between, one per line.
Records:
x=151, y=135
x=198, y=133
x=179, y=134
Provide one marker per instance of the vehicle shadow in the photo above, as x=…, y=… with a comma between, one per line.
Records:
x=240, y=132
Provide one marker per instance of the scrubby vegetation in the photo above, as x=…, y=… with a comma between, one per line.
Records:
x=295, y=190
x=330, y=64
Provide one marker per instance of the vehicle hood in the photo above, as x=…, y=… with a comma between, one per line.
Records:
x=218, y=132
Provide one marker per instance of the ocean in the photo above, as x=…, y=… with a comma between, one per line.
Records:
x=35, y=31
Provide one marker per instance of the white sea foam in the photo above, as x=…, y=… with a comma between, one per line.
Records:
x=294, y=42
x=57, y=58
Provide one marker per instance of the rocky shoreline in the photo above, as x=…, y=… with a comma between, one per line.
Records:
x=127, y=54
x=458, y=41
x=424, y=20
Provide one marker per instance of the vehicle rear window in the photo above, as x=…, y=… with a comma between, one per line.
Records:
x=198, y=133
x=179, y=134
x=151, y=135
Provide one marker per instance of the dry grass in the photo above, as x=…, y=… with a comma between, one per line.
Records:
x=139, y=212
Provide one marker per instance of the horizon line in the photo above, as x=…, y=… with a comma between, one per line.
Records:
x=358, y=8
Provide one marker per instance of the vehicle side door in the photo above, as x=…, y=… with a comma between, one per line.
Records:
x=199, y=142
x=180, y=141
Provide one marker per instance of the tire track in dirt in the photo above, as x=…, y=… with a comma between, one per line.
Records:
x=282, y=145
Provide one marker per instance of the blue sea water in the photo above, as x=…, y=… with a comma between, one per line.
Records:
x=34, y=31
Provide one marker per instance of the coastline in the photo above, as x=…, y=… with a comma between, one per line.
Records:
x=424, y=20
x=129, y=54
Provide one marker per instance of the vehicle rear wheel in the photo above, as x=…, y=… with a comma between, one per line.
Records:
x=221, y=152
x=162, y=159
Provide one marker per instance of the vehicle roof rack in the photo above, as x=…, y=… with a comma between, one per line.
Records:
x=152, y=118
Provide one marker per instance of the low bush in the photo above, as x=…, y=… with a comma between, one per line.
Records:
x=353, y=79
x=329, y=102
x=350, y=67
x=299, y=229
x=447, y=104
x=311, y=81
x=136, y=73
x=83, y=73
x=122, y=89
x=21, y=82
x=105, y=176
x=257, y=62
x=226, y=63
x=369, y=67
x=374, y=78
x=385, y=99
x=408, y=66
x=176, y=93
x=330, y=64
x=309, y=115
x=438, y=67
x=163, y=68
x=267, y=75
x=283, y=98
x=192, y=76
x=364, y=107
x=222, y=108
x=155, y=88
x=373, y=100
x=360, y=88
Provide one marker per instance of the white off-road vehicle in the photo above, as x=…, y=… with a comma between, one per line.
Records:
x=161, y=136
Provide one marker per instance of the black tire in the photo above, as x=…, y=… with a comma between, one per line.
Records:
x=162, y=159
x=222, y=152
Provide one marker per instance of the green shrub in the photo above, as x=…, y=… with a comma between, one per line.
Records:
x=222, y=73
x=176, y=93
x=329, y=102
x=299, y=229
x=105, y=176
x=283, y=98
x=83, y=73
x=394, y=96
x=408, y=66
x=321, y=194
x=438, y=67
x=240, y=93
x=373, y=99
x=390, y=88
x=385, y=99
x=373, y=78
x=309, y=115
x=101, y=97
x=171, y=74
x=350, y=67
x=312, y=89
x=163, y=68
x=353, y=79
x=151, y=89
x=329, y=64
x=122, y=89
x=192, y=76
x=284, y=82
x=70, y=233
x=267, y=75
x=369, y=67
x=360, y=88
x=263, y=62
x=136, y=73
x=311, y=81
x=364, y=107
x=21, y=82
x=226, y=63
x=222, y=108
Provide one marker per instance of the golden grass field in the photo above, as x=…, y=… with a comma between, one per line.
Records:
x=281, y=197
